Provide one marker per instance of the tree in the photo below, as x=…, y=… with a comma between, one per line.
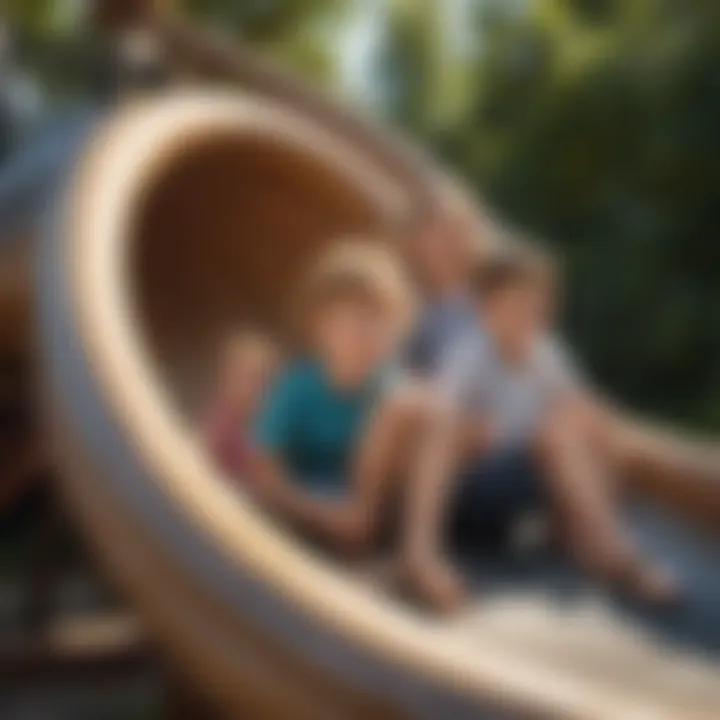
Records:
x=616, y=159
x=54, y=39
x=293, y=31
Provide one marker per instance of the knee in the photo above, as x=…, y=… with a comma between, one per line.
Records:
x=553, y=432
x=415, y=405
x=597, y=427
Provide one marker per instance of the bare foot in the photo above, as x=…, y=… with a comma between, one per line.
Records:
x=651, y=585
x=434, y=583
x=633, y=576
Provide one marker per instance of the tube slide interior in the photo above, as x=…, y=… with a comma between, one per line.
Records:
x=218, y=233
x=220, y=241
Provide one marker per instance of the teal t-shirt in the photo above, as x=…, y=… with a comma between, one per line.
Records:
x=313, y=427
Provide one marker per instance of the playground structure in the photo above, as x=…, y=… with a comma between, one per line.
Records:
x=175, y=214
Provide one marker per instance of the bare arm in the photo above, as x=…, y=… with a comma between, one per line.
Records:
x=326, y=519
x=322, y=518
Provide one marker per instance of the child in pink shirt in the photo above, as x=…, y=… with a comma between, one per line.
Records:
x=247, y=364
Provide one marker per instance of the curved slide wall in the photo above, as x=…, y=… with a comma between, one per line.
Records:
x=184, y=214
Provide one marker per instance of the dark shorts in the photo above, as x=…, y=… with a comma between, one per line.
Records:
x=493, y=492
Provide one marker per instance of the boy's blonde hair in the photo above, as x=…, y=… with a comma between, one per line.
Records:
x=364, y=270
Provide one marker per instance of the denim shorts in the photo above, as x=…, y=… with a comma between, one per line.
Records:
x=492, y=492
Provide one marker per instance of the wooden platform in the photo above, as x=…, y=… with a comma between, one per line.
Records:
x=95, y=644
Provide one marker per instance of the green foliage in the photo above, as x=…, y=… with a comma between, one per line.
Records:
x=260, y=19
x=591, y=122
x=619, y=165
x=30, y=15
x=290, y=30
x=54, y=41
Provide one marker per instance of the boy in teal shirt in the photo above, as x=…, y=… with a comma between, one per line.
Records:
x=333, y=432
x=315, y=424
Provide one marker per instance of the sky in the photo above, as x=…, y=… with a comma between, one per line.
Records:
x=364, y=32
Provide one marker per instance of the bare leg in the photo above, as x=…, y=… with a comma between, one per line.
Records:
x=383, y=456
x=347, y=524
x=584, y=498
x=426, y=573
x=681, y=472
x=580, y=492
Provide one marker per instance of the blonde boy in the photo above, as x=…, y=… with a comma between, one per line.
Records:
x=333, y=427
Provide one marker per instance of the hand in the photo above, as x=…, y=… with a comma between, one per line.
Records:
x=345, y=527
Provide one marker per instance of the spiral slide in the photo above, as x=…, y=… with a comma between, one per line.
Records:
x=181, y=214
